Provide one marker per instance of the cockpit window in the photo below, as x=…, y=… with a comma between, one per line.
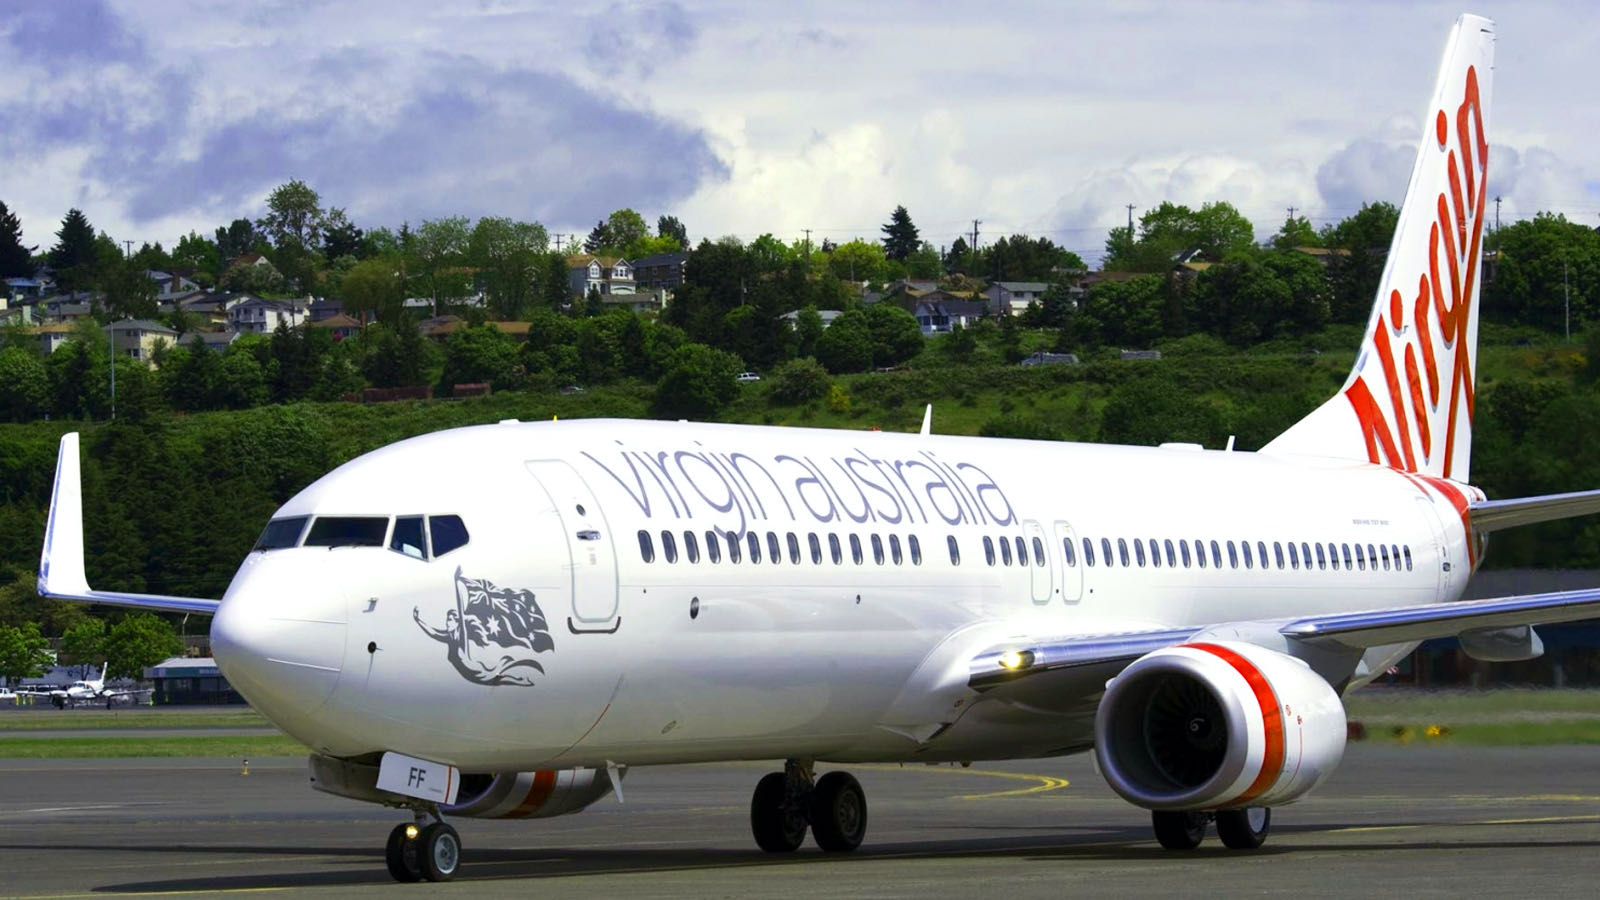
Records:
x=347, y=531
x=407, y=538
x=281, y=533
x=448, y=533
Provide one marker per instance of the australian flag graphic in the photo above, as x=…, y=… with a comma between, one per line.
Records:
x=493, y=633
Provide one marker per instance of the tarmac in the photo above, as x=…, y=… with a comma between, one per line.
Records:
x=1419, y=820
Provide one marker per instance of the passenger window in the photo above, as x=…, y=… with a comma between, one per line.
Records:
x=446, y=532
x=733, y=546
x=1361, y=559
x=1155, y=553
x=1184, y=546
x=1384, y=549
x=1346, y=555
x=774, y=549
x=691, y=547
x=1294, y=556
x=281, y=533
x=1372, y=557
x=1407, y=550
x=713, y=548
x=1321, y=563
x=988, y=549
x=955, y=550
x=1394, y=551
x=834, y=549
x=1277, y=553
x=1066, y=551
x=1005, y=551
x=1200, y=553
x=669, y=547
x=877, y=549
x=1088, y=552
x=1122, y=552
x=408, y=537
x=894, y=549
x=1038, y=552
x=1233, y=556
x=1216, y=555
x=1245, y=546
x=916, y=550
x=1333, y=556
x=754, y=540
x=351, y=531
x=1022, y=551
x=1105, y=552
x=1305, y=553
x=1261, y=553
x=1138, y=552
x=647, y=550
x=794, y=548
x=1172, y=559
x=855, y=549
x=816, y=548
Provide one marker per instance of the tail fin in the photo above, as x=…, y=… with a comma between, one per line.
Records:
x=1408, y=403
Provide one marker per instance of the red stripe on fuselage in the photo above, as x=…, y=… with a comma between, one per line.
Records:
x=1271, y=719
x=544, y=783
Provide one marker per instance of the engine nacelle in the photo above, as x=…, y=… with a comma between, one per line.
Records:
x=499, y=795
x=1217, y=725
x=528, y=795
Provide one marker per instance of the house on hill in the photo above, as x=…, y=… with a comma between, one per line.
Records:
x=939, y=316
x=604, y=274
x=1012, y=298
x=138, y=338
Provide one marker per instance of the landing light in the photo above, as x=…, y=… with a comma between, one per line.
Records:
x=411, y=832
x=1016, y=660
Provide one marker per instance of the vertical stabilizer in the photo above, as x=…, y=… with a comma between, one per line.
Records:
x=1408, y=403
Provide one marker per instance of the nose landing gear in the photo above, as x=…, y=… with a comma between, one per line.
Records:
x=786, y=803
x=425, y=849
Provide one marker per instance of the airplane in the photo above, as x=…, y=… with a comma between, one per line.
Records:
x=89, y=690
x=560, y=602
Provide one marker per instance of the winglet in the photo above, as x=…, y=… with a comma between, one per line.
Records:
x=61, y=570
x=61, y=564
x=927, y=420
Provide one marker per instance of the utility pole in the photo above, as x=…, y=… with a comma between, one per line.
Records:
x=1566, y=299
x=1130, y=220
x=558, y=242
x=127, y=247
x=1497, y=213
x=808, y=245
x=975, y=224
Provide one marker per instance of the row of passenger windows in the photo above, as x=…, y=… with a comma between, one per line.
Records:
x=752, y=547
x=1283, y=554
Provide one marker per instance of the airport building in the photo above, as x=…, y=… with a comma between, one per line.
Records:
x=189, y=681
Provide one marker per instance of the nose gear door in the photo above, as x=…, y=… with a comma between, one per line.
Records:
x=590, y=547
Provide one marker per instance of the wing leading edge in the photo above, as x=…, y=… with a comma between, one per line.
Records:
x=61, y=569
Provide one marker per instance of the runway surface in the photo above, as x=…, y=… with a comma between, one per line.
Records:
x=1401, y=821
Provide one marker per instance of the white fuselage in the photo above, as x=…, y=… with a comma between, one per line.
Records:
x=354, y=650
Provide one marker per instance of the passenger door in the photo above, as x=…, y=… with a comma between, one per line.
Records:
x=1071, y=579
x=1043, y=577
x=589, y=546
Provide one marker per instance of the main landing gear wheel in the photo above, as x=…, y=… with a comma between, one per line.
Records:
x=439, y=848
x=1244, y=829
x=838, y=812
x=400, y=854
x=777, y=819
x=1179, y=830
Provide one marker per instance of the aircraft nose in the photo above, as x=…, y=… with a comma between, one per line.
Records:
x=279, y=635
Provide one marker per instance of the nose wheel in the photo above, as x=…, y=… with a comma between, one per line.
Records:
x=425, y=849
x=786, y=804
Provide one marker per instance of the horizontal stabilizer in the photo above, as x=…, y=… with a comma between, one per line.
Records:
x=1494, y=515
x=61, y=569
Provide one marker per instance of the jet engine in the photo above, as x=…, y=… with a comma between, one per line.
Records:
x=528, y=795
x=496, y=795
x=1217, y=725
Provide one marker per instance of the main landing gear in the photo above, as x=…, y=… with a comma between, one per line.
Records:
x=424, y=849
x=1240, y=829
x=786, y=803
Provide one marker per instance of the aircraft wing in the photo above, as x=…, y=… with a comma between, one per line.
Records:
x=61, y=570
x=1354, y=630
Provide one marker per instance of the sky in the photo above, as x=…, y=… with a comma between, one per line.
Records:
x=156, y=117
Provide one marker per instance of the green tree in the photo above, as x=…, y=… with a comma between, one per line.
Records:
x=808, y=328
x=960, y=258
x=626, y=229
x=961, y=343
x=896, y=336
x=509, y=256
x=670, y=227
x=130, y=294
x=395, y=356
x=924, y=262
x=16, y=259
x=198, y=255
x=240, y=382
x=1215, y=229
x=75, y=256
x=192, y=374
x=1127, y=313
x=1018, y=257
x=441, y=248
x=341, y=237
x=802, y=380
x=1154, y=409
x=237, y=239
x=82, y=645
x=858, y=260
x=599, y=239
x=294, y=216
x=24, y=652
x=1544, y=264
x=1359, y=244
x=1296, y=232
x=847, y=345
x=137, y=642
x=698, y=384
x=480, y=354
x=372, y=289
x=24, y=385
x=900, y=238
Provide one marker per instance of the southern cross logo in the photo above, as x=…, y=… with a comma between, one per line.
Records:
x=493, y=633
